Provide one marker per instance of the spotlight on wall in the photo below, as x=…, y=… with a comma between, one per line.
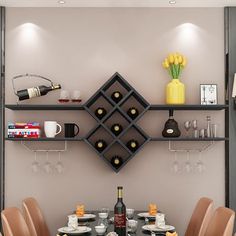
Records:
x=172, y=2
x=61, y=2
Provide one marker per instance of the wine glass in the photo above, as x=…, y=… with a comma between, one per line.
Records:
x=188, y=165
x=47, y=165
x=200, y=167
x=59, y=165
x=195, y=130
x=176, y=167
x=76, y=96
x=35, y=164
x=187, y=126
x=64, y=96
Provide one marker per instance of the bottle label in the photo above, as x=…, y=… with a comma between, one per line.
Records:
x=170, y=131
x=34, y=92
x=120, y=220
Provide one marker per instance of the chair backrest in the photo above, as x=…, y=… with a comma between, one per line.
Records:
x=200, y=217
x=13, y=223
x=34, y=218
x=221, y=223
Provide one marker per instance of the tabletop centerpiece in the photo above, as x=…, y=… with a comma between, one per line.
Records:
x=175, y=90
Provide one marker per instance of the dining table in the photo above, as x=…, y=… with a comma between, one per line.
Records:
x=142, y=221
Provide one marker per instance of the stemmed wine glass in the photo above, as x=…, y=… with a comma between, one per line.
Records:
x=47, y=165
x=188, y=165
x=187, y=126
x=175, y=166
x=200, y=167
x=195, y=130
x=59, y=164
x=35, y=164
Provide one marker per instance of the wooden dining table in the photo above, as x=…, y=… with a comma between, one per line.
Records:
x=93, y=222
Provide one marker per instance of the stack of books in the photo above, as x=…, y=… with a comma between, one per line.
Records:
x=24, y=130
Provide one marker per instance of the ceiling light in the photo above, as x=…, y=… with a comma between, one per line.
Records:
x=172, y=2
x=61, y=2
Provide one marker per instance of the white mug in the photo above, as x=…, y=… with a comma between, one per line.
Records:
x=50, y=129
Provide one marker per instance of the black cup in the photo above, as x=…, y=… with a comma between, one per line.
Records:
x=70, y=130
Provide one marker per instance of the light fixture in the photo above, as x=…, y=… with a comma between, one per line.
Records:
x=172, y=2
x=61, y=2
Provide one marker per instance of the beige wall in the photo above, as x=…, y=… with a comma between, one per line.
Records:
x=81, y=48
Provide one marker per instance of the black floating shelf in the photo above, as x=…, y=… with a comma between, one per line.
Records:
x=44, y=107
x=189, y=139
x=188, y=107
x=45, y=139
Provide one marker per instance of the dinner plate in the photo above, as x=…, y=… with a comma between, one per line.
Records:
x=146, y=215
x=154, y=228
x=86, y=217
x=70, y=230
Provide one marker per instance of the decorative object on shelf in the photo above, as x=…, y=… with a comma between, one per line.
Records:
x=76, y=96
x=64, y=96
x=100, y=112
x=132, y=145
x=175, y=90
x=116, y=129
x=34, y=91
x=70, y=130
x=116, y=96
x=116, y=161
x=133, y=113
x=171, y=128
x=50, y=129
x=208, y=129
x=187, y=126
x=100, y=145
x=208, y=94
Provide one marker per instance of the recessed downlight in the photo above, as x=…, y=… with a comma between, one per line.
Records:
x=172, y=2
x=61, y=2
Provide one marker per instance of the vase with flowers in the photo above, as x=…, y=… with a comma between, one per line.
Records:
x=175, y=90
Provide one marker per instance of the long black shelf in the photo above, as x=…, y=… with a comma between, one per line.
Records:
x=45, y=139
x=188, y=107
x=44, y=107
x=190, y=139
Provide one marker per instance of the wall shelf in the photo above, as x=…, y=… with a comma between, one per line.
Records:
x=22, y=107
x=188, y=107
x=45, y=139
x=190, y=139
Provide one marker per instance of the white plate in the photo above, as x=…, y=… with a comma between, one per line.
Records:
x=86, y=217
x=70, y=230
x=154, y=228
x=145, y=215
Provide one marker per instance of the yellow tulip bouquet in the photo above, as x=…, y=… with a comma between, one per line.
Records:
x=174, y=64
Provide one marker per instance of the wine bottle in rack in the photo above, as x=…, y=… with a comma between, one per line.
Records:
x=116, y=161
x=132, y=145
x=100, y=145
x=100, y=112
x=36, y=91
x=133, y=112
x=120, y=214
x=116, y=96
x=116, y=129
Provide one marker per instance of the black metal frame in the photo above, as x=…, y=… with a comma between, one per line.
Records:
x=2, y=108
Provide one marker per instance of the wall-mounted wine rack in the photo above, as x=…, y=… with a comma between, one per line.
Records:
x=116, y=112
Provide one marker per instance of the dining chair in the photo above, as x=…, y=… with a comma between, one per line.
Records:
x=34, y=218
x=221, y=223
x=200, y=217
x=13, y=223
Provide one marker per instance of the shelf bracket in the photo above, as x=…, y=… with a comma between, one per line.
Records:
x=23, y=143
x=204, y=148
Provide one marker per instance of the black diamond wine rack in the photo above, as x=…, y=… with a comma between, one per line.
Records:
x=116, y=113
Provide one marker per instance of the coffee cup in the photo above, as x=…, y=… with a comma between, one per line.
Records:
x=70, y=130
x=50, y=129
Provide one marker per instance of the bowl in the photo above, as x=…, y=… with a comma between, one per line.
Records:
x=100, y=229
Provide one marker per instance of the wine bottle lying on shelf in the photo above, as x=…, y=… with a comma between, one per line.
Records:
x=116, y=129
x=100, y=145
x=100, y=112
x=133, y=112
x=116, y=161
x=116, y=96
x=132, y=145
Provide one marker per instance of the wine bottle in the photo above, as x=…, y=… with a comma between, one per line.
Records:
x=116, y=161
x=171, y=128
x=116, y=96
x=100, y=112
x=133, y=112
x=120, y=214
x=116, y=129
x=100, y=145
x=36, y=91
x=132, y=145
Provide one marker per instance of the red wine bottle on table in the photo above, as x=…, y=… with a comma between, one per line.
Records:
x=36, y=91
x=120, y=214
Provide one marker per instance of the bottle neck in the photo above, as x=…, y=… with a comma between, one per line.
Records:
x=120, y=195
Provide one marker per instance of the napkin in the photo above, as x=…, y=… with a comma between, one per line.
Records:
x=171, y=234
